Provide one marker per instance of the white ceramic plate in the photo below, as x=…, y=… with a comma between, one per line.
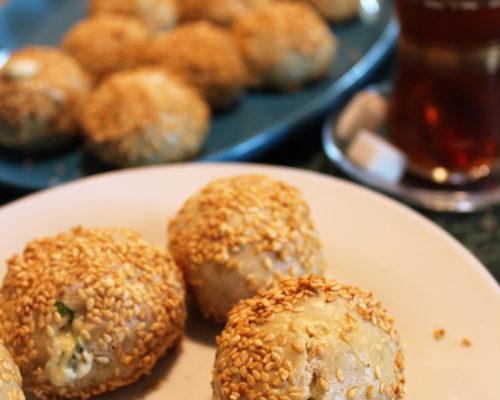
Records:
x=424, y=277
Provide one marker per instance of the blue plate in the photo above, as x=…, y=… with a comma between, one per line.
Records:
x=260, y=122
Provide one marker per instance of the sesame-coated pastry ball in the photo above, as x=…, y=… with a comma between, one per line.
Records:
x=10, y=378
x=89, y=311
x=336, y=10
x=237, y=234
x=285, y=45
x=156, y=14
x=41, y=90
x=206, y=56
x=144, y=116
x=106, y=43
x=221, y=12
x=309, y=338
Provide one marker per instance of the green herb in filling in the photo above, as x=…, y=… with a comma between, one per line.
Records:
x=61, y=358
x=65, y=312
x=73, y=362
x=79, y=348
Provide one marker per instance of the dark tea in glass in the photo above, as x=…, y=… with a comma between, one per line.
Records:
x=445, y=108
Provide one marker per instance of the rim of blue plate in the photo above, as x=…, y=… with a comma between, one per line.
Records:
x=249, y=149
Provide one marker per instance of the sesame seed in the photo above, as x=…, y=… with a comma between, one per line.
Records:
x=339, y=375
x=273, y=375
x=250, y=380
x=262, y=205
x=298, y=347
x=41, y=83
x=117, y=37
x=90, y=304
x=256, y=375
x=269, y=337
x=439, y=334
x=282, y=340
x=203, y=55
x=310, y=330
x=352, y=392
x=345, y=337
x=85, y=335
x=323, y=384
x=58, y=318
x=77, y=275
x=50, y=331
x=370, y=392
x=269, y=366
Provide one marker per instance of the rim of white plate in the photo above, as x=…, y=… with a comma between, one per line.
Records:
x=473, y=262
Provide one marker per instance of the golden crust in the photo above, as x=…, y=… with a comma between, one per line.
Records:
x=205, y=56
x=222, y=12
x=40, y=85
x=127, y=298
x=145, y=115
x=238, y=233
x=274, y=344
x=156, y=14
x=10, y=378
x=285, y=44
x=106, y=43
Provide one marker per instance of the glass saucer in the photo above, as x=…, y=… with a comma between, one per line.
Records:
x=444, y=198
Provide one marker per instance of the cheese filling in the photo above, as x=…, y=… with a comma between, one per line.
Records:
x=70, y=361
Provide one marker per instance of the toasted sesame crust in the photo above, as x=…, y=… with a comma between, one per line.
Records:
x=308, y=338
x=285, y=44
x=237, y=234
x=156, y=14
x=10, y=378
x=41, y=90
x=144, y=116
x=127, y=298
x=106, y=43
x=205, y=56
x=222, y=12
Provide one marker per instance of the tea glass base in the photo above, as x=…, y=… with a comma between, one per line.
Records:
x=444, y=176
x=437, y=189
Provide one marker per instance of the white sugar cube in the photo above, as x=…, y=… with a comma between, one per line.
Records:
x=366, y=110
x=377, y=156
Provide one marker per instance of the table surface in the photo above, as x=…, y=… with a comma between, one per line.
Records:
x=479, y=231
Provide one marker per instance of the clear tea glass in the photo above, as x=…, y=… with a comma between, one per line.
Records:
x=445, y=108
